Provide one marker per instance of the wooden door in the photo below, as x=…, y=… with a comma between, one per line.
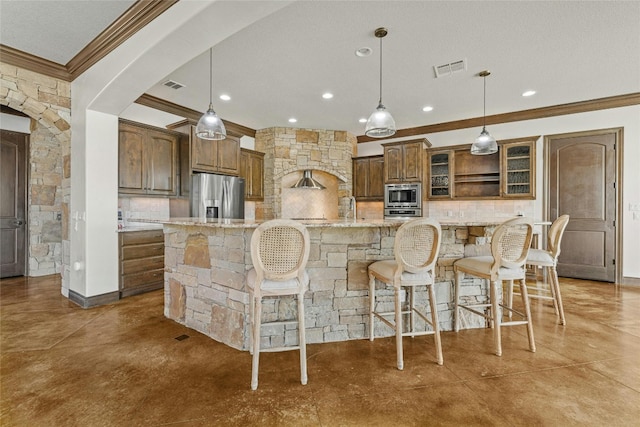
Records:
x=131, y=172
x=13, y=177
x=393, y=170
x=582, y=175
x=160, y=160
x=204, y=153
x=376, y=178
x=229, y=156
x=412, y=162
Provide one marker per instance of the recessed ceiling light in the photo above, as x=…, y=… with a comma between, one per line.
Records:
x=427, y=108
x=293, y=120
x=529, y=93
x=225, y=97
x=363, y=120
x=363, y=51
x=327, y=95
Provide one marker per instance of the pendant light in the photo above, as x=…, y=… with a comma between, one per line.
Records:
x=380, y=123
x=210, y=126
x=484, y=143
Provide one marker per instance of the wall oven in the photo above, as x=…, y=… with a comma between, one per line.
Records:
x=403, y=200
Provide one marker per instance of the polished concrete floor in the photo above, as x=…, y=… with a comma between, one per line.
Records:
x=121, y=365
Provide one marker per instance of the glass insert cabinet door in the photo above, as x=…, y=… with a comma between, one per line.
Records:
x=440, y=174
x=518, y=174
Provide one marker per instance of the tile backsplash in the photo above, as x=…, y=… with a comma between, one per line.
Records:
x=143, y=207
x=478, y=209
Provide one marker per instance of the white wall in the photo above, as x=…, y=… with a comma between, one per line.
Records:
x=626, y=117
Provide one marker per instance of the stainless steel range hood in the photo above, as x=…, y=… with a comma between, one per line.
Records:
x=307, y=181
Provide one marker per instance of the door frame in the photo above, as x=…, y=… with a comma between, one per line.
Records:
x=619, y=150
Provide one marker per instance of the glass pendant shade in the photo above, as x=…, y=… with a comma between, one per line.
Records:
x=484, y=144
x=380, y=123
x=210, y=126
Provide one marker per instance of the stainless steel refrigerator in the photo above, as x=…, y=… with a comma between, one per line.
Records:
x=217, y=196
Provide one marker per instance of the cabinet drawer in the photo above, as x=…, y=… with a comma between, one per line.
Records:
x=142, y=251
x=142, y=237
x=139, y=265
x=146, y=278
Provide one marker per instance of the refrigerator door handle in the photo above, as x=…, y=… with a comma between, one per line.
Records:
x=226, y=199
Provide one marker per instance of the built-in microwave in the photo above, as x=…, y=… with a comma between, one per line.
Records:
x=403, y=200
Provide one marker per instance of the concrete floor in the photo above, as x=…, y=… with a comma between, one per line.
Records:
x=121, y=365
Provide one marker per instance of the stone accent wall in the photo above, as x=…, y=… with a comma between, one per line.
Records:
x=215, y=300
x=47, y=101
x=288, y=150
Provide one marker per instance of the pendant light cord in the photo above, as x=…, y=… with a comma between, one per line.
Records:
x=484, y=102
x=210, y=77
x=380, y=100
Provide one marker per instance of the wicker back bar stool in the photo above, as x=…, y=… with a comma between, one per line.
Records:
x=509, y=248
x=548, y=259
x=279, y=253
x=416, y=248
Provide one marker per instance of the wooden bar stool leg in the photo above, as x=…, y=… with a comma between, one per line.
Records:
x=527, y=312
x=510, y=297
x=496, y=316
x=556, y=284
x=302, y=340
x=372, y=304
x=436, y=326
x=398, y=325
x=456, y=309
x=412, y=305
x=257, y=318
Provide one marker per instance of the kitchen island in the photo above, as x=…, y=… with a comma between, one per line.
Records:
x=206, y=263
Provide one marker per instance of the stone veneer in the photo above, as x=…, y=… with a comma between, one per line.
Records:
x=289, y=150
x=205, y=283
x=47, y=101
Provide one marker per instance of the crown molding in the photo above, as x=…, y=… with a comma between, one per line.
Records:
x=518, y=116
x=130, y=22
x=21, y=59
x=194, y=115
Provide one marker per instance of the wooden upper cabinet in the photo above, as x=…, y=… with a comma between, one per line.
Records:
x=252, y=170
x=147, y=160
x=368, y=178
x=508, y=174
x=518, y=168
x=403, y=161
x=215, y=156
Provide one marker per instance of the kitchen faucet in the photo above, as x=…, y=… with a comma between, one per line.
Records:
x=352, y=207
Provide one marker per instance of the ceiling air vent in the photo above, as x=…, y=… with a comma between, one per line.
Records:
x=450, y=68
x=173, y=85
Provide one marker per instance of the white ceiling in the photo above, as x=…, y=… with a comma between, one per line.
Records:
x=279, y=67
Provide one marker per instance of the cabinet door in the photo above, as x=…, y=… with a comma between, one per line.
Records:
x=204, y=153
x=185, y=167
x=228, y=156
x=252, y=170
x=257, y=177
x=518, y=170
x=360, y=178
x=160, y=155
x=393, y=170
x=376, y=178
x=412, y=162
x=131, y=174
x=440, y=165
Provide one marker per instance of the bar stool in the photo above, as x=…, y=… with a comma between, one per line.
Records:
x=509, y=248
x=547, y=259
x=279, y=252
x=416, y=248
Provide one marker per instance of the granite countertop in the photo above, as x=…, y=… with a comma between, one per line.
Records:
x=140, y=227
x=246, y=223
